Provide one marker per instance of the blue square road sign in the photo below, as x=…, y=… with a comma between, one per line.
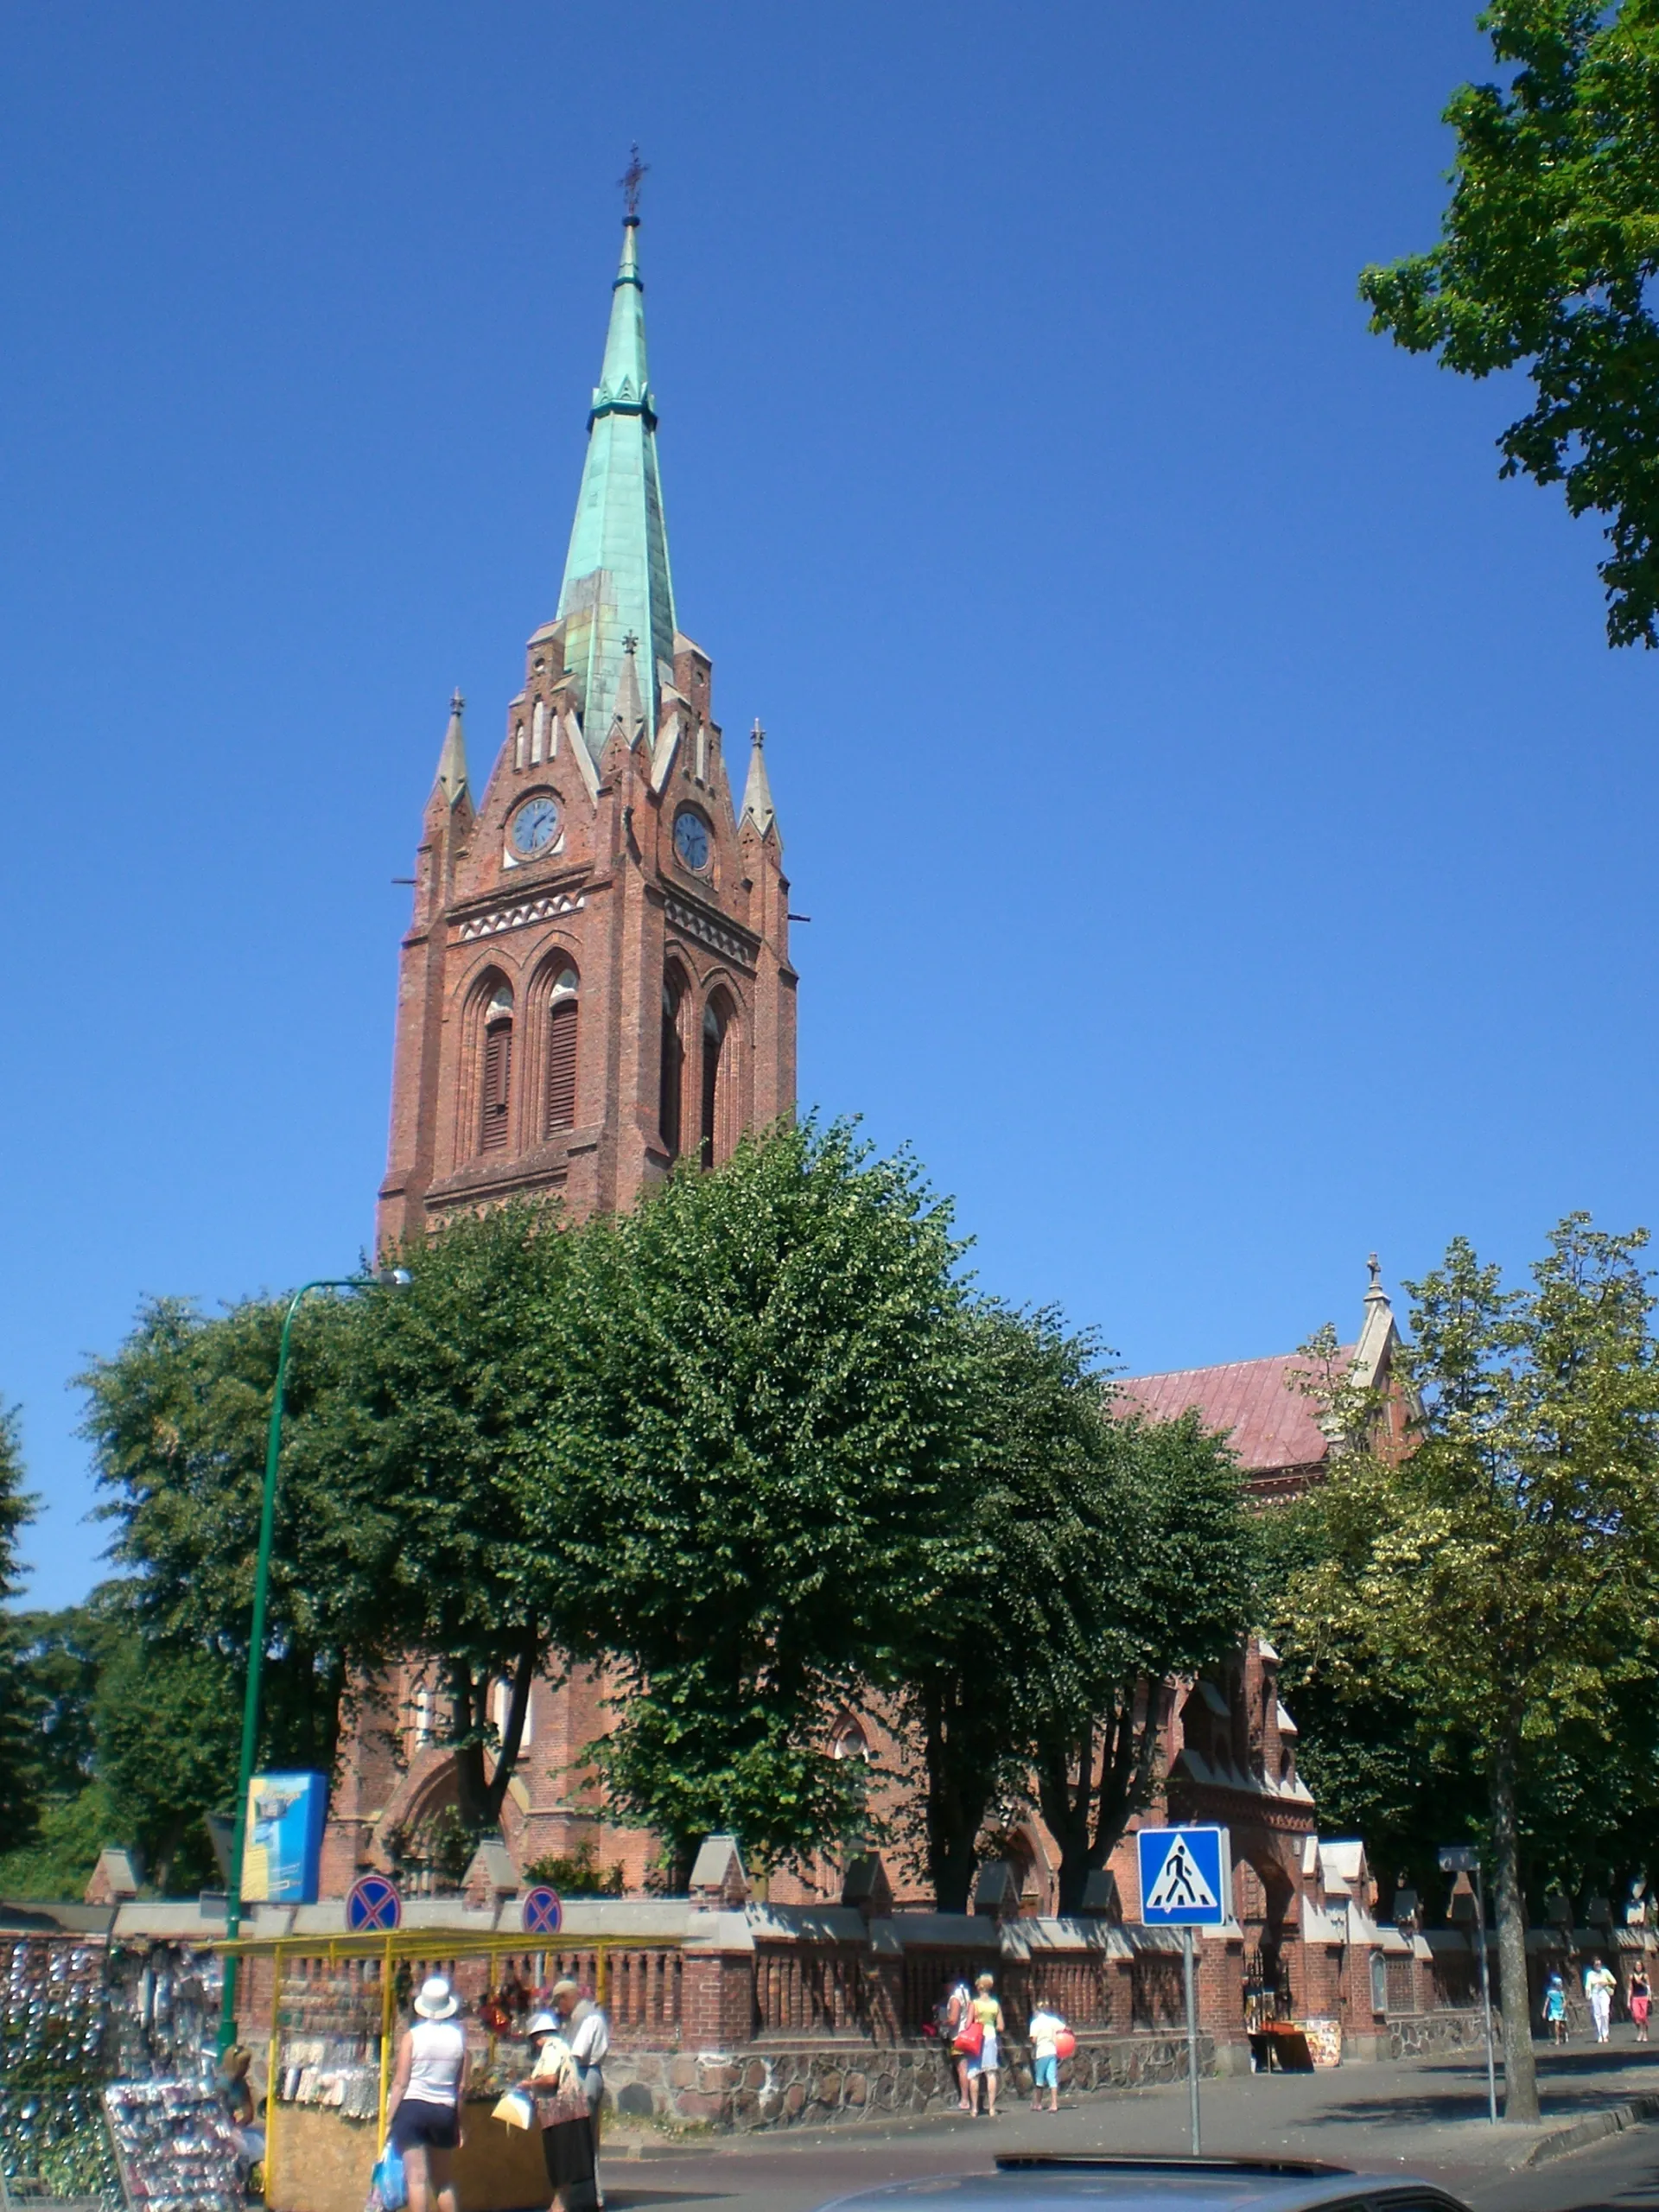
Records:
x=1186, y=1877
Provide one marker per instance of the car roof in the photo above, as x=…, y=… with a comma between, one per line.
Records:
x=1059, y=2184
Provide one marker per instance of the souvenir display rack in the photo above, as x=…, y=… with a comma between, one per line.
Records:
x=54, y=2053
x=172, y=2147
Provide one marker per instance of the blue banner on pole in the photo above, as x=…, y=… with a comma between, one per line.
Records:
x=1185, y=1874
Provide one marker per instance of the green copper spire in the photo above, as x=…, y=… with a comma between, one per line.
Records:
x=616, y=575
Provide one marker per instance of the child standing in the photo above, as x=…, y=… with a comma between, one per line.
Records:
x=1045, y=2029
x=1555, y=2008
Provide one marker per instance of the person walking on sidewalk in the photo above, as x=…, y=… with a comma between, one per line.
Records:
x=427, y=2097
x=1045, y=2029
x=1641, y=2001
x=956, y=2010
x=1555, y=2008
x=1600, y=1983
x=986, y=2062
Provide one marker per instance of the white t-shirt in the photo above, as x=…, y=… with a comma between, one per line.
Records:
x=1044, y=2027
x=591, y=2039
x=439, y=2047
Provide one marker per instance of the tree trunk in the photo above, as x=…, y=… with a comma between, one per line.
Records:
x=956, y=1806
x=1510, y=1904
x=1066, y=1807
x=1127, y=1775
x=512, y=1738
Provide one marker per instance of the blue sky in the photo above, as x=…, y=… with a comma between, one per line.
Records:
x=1226, y=832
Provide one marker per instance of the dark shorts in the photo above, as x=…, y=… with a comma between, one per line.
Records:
x=419, y=2126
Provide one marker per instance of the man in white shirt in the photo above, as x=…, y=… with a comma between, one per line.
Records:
x=588, y=2034
x=1600, y=1983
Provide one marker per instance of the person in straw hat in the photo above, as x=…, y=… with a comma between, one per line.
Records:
x=427, y=2096
x=563, y=2116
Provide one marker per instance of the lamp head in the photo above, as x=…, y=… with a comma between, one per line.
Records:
x=393, y=1278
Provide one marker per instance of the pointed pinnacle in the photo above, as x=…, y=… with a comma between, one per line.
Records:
x=757, y=791
x=452, y=761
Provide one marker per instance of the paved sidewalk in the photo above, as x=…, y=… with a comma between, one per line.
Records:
x=1425, y=2116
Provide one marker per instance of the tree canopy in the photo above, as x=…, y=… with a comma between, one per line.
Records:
x=1547, y=247
x=1503, y=1578
x=20, y=1772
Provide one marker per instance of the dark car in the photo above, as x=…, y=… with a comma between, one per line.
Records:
x=1039, y=2183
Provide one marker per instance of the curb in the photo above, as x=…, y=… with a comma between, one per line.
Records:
x=1592, y=2129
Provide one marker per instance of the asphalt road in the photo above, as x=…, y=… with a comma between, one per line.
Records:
x=1425, y=2118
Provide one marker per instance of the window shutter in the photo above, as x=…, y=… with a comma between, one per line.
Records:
x=498, y=1077
x=562, y=1067
x=712, y=1042
x=673, y=1066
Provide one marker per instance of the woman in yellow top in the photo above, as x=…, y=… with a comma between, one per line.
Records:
x=987, y=2061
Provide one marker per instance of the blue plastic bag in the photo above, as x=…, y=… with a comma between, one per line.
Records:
x=388, y=2189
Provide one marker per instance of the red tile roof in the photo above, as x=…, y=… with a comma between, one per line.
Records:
x=1271, y=1422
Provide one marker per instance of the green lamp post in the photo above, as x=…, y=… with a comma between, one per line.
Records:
x=383, y=1279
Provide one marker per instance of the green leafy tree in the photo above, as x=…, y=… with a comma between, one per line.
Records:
x=1165, y=1594
x=749, y=1463
x=436, y=1395
x=1549, y=248
x=20, y=1770
x=1503, y=1577
x=177, y=1421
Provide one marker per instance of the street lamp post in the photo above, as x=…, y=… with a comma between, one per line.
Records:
x=385, y=1279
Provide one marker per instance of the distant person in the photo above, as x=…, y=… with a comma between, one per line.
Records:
x=427, y=2099
x=1555, y=2008
x=562, y=2112
x=954, y=2010
x=1044, y=2029
x=1600, y=1983
x=236, y=2094
x=1641, y=2001
x=985, y=2063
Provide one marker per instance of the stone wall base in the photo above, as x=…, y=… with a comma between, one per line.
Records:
x=827, y=2084
x=1420, y=2035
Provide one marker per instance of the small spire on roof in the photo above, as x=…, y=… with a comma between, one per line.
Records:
x=757, y=791
x=452, y=761
x=1375, y=1288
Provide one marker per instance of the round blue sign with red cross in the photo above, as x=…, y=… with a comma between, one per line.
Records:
x=543, y=1914
x=373, y=1905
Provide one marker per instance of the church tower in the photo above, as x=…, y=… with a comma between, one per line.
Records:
x=596, y=979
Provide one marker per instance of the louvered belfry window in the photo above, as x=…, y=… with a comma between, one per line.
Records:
x=673, y=1069
x=562, y=1058
x=498, y=1073
x=713, y=1037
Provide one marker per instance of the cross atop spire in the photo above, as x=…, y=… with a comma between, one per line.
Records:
x=631, y=180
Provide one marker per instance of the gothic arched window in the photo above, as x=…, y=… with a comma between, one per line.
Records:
x=561, y=1054
x=717, y=1129
x=714, y=1038
x=673, y=1064
x=496, y=1086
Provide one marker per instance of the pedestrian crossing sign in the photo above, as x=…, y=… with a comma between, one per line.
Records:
x=1186, y=1877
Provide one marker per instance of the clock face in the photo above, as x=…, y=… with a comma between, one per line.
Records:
x=535, y=826
x=691, y=838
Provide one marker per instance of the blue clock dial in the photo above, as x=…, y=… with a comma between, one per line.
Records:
x=691, y=838
x=535, y=826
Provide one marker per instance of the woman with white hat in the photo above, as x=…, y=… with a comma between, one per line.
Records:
x=427, y=2096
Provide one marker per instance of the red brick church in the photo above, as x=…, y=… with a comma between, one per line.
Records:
x=596, y=982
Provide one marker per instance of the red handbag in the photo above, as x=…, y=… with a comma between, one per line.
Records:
x=1065, y=2045
x=970, y=2040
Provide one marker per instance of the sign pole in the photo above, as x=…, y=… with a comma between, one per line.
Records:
x=1192, y=2034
